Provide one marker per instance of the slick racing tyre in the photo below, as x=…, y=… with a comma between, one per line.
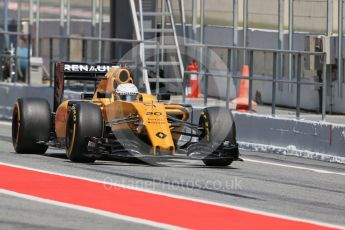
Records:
x=30, y=125
x=84, y=120
x=218, y=127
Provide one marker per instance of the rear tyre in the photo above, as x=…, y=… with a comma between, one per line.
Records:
x=31, y=124
x=85, y=120
x=218, y=128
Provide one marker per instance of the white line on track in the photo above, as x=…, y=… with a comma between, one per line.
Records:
x=294, y=167
x=258, y=212
x=7, y=123
x=90, y=210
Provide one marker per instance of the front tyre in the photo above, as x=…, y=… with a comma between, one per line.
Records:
x=85, y=120
x=219, y=134
x=31, y=124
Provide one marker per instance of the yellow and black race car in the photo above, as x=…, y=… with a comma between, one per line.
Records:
x=116, y=119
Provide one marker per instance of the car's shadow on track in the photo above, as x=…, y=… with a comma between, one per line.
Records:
x=56, y=155
x=101, y=161
x=165, y=163
x=131, y=161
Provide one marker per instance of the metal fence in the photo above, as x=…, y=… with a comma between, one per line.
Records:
x=276, y=78
x=15, y=59
x=318, y=15
x=240, y=16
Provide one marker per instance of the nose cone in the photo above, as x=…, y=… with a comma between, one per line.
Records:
x=158, y=150
x=158, y=129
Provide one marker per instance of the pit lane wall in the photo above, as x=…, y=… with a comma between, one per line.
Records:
x=317, y=140
x=9, y=92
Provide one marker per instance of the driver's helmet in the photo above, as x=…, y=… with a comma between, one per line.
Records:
x=126, y=92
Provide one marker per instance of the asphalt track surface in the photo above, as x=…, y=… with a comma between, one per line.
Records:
x=280, y=185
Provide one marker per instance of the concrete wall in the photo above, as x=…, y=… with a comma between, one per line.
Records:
x=10, y=92
x=308, y=15
x=317, y=140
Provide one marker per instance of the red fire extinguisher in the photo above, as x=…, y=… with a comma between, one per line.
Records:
x=193, y=84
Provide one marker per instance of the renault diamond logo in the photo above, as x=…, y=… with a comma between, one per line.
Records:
x=161, y=135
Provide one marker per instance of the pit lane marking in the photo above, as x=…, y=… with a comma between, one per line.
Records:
x=245, y=211
x=7, y=123
x=89, y=210
x=322, y=171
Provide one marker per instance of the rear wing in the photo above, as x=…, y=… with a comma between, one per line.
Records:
x=76, y=71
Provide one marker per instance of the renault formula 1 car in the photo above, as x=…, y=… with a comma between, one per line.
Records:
x=118, y=120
